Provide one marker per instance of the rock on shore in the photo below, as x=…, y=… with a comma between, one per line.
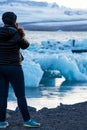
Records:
x=63, y=117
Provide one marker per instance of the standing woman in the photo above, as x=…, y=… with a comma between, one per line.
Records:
x=11, y=41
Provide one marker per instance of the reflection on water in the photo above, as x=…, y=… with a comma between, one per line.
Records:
x=52, y=94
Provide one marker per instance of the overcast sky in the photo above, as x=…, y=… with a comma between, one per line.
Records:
x=70, y=3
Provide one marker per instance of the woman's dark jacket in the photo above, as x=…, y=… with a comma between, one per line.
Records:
x=10, y=44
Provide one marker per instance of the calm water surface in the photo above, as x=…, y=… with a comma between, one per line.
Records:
x=51, y=96
x=38, y=36
x=54, y=91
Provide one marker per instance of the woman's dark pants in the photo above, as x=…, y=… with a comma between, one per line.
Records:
x=14, y=76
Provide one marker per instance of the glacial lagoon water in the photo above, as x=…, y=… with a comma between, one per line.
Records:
x=53, y=91
x=38, y=36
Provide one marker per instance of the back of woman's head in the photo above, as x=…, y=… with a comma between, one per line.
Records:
x=9, y=18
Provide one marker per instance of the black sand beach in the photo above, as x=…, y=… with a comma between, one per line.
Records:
x=63, y=117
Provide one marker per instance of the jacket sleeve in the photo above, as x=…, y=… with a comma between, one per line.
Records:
x=23, y=43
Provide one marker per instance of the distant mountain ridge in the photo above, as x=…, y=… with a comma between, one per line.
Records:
x=32, y=3
x=28, y=2
x=35, y=15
